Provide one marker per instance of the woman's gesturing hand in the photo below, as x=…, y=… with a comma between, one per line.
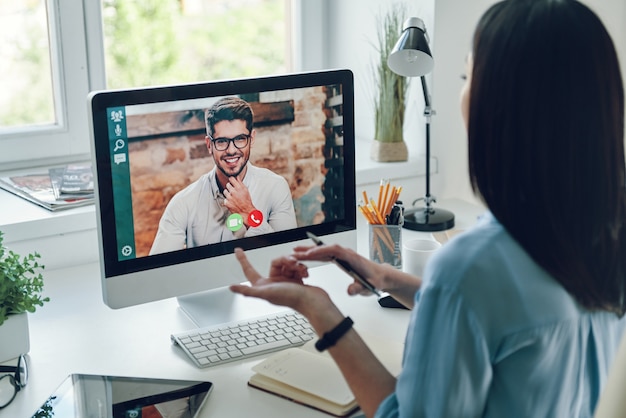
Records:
x=284, y=286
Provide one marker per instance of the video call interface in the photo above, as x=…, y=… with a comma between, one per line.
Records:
x=158, y=150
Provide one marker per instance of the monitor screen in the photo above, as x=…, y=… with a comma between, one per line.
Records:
x=187, y=173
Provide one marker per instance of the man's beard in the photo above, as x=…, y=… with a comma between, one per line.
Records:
x=235, y=174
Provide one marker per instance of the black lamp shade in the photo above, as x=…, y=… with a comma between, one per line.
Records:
x=411, y=56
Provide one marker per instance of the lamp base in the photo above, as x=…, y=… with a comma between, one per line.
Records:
x=424, y=219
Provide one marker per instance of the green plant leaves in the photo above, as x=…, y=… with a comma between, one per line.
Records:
x=389, y=103
x=21, y=283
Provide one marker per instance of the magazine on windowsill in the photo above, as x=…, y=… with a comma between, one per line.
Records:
x=46, y=188
x=72, y=181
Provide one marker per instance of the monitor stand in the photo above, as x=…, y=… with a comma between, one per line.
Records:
x=220, y=306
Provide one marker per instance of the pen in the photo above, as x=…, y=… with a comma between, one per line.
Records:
x=396, y=216
x=346, y=267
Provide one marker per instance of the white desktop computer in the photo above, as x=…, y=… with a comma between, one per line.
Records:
x=151, y=144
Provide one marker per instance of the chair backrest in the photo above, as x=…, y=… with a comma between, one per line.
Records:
x=613, y=398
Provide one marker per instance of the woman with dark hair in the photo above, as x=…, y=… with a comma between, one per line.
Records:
x=546, y=152
x=522, y=314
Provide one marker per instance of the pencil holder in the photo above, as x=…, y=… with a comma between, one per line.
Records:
x=385, y=242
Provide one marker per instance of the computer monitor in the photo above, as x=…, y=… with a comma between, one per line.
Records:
x=151, y=146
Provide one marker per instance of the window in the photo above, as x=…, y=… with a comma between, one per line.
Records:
x=69, y=48
x=26, y=80
x=172, y=41
x=63, y=134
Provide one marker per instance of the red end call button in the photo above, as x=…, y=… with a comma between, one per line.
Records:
x=255, y=218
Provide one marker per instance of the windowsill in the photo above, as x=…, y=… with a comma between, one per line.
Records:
x=69, y=236
x=22, y=220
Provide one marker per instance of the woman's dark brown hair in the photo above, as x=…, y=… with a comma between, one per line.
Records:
x=546, y=142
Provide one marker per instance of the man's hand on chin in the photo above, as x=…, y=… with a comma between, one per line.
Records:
x=238, y=199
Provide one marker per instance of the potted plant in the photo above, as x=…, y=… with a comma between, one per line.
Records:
x=21, y=284
x=391, y=92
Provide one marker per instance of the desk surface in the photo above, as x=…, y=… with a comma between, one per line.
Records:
x=77, y=333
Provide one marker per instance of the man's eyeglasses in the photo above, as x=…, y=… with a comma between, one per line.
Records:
x=12, y=382
x=222, y=144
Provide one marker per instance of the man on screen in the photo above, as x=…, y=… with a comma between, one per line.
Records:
x=233, y=200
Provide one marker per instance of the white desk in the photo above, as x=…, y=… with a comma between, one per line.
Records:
x=77, y=333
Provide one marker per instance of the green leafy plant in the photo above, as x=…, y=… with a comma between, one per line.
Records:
x=391, y=88
x=21, y=283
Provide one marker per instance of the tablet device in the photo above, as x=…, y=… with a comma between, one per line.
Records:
x=81, y=396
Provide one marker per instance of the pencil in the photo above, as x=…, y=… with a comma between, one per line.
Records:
x=398, y=191
x=366, y=215
x=395, y=199
x=389, y=202
x=385, y=236
x=384, y=198
x=377, y=212
x=374, y=214
x=380, y=190
x=377, y=248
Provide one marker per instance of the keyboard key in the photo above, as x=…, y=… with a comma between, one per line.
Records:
x=198, y=350
x=265, y=347
x=296, y=340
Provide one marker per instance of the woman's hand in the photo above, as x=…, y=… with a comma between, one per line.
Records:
x=373, y=272
x=401, y=286
x=367, y=377
x=284, y=286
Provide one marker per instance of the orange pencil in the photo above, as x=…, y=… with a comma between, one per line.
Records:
x=367, y=216
x=360, y=205
x=393, y=199
x=389, y=202
x=384, y=199
x=377, y=212
x=398, y=191
x=380, y=191
x=377, y=248
x=373, y=215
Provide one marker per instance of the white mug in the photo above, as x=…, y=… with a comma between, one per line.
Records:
x=416, y=253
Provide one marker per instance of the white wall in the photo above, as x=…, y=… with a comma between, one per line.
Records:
x=352, y=45
x=453, y=29
x=450, y=24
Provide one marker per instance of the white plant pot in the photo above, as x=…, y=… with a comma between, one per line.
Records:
x=14, y=337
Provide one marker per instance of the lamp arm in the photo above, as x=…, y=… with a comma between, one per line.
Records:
x=425, y=90
x=428, y=112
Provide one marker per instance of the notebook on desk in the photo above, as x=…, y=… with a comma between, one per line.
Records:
x=313, y=379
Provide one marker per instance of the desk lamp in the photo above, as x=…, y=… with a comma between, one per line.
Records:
x=411, y=57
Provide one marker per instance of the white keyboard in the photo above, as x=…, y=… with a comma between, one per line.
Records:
x=235, y=341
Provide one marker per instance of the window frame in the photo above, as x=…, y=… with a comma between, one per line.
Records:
x=77, y=60
x=63, y=140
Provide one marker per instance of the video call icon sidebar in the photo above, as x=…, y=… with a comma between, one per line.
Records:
x=120, y=173
x=117, y=135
